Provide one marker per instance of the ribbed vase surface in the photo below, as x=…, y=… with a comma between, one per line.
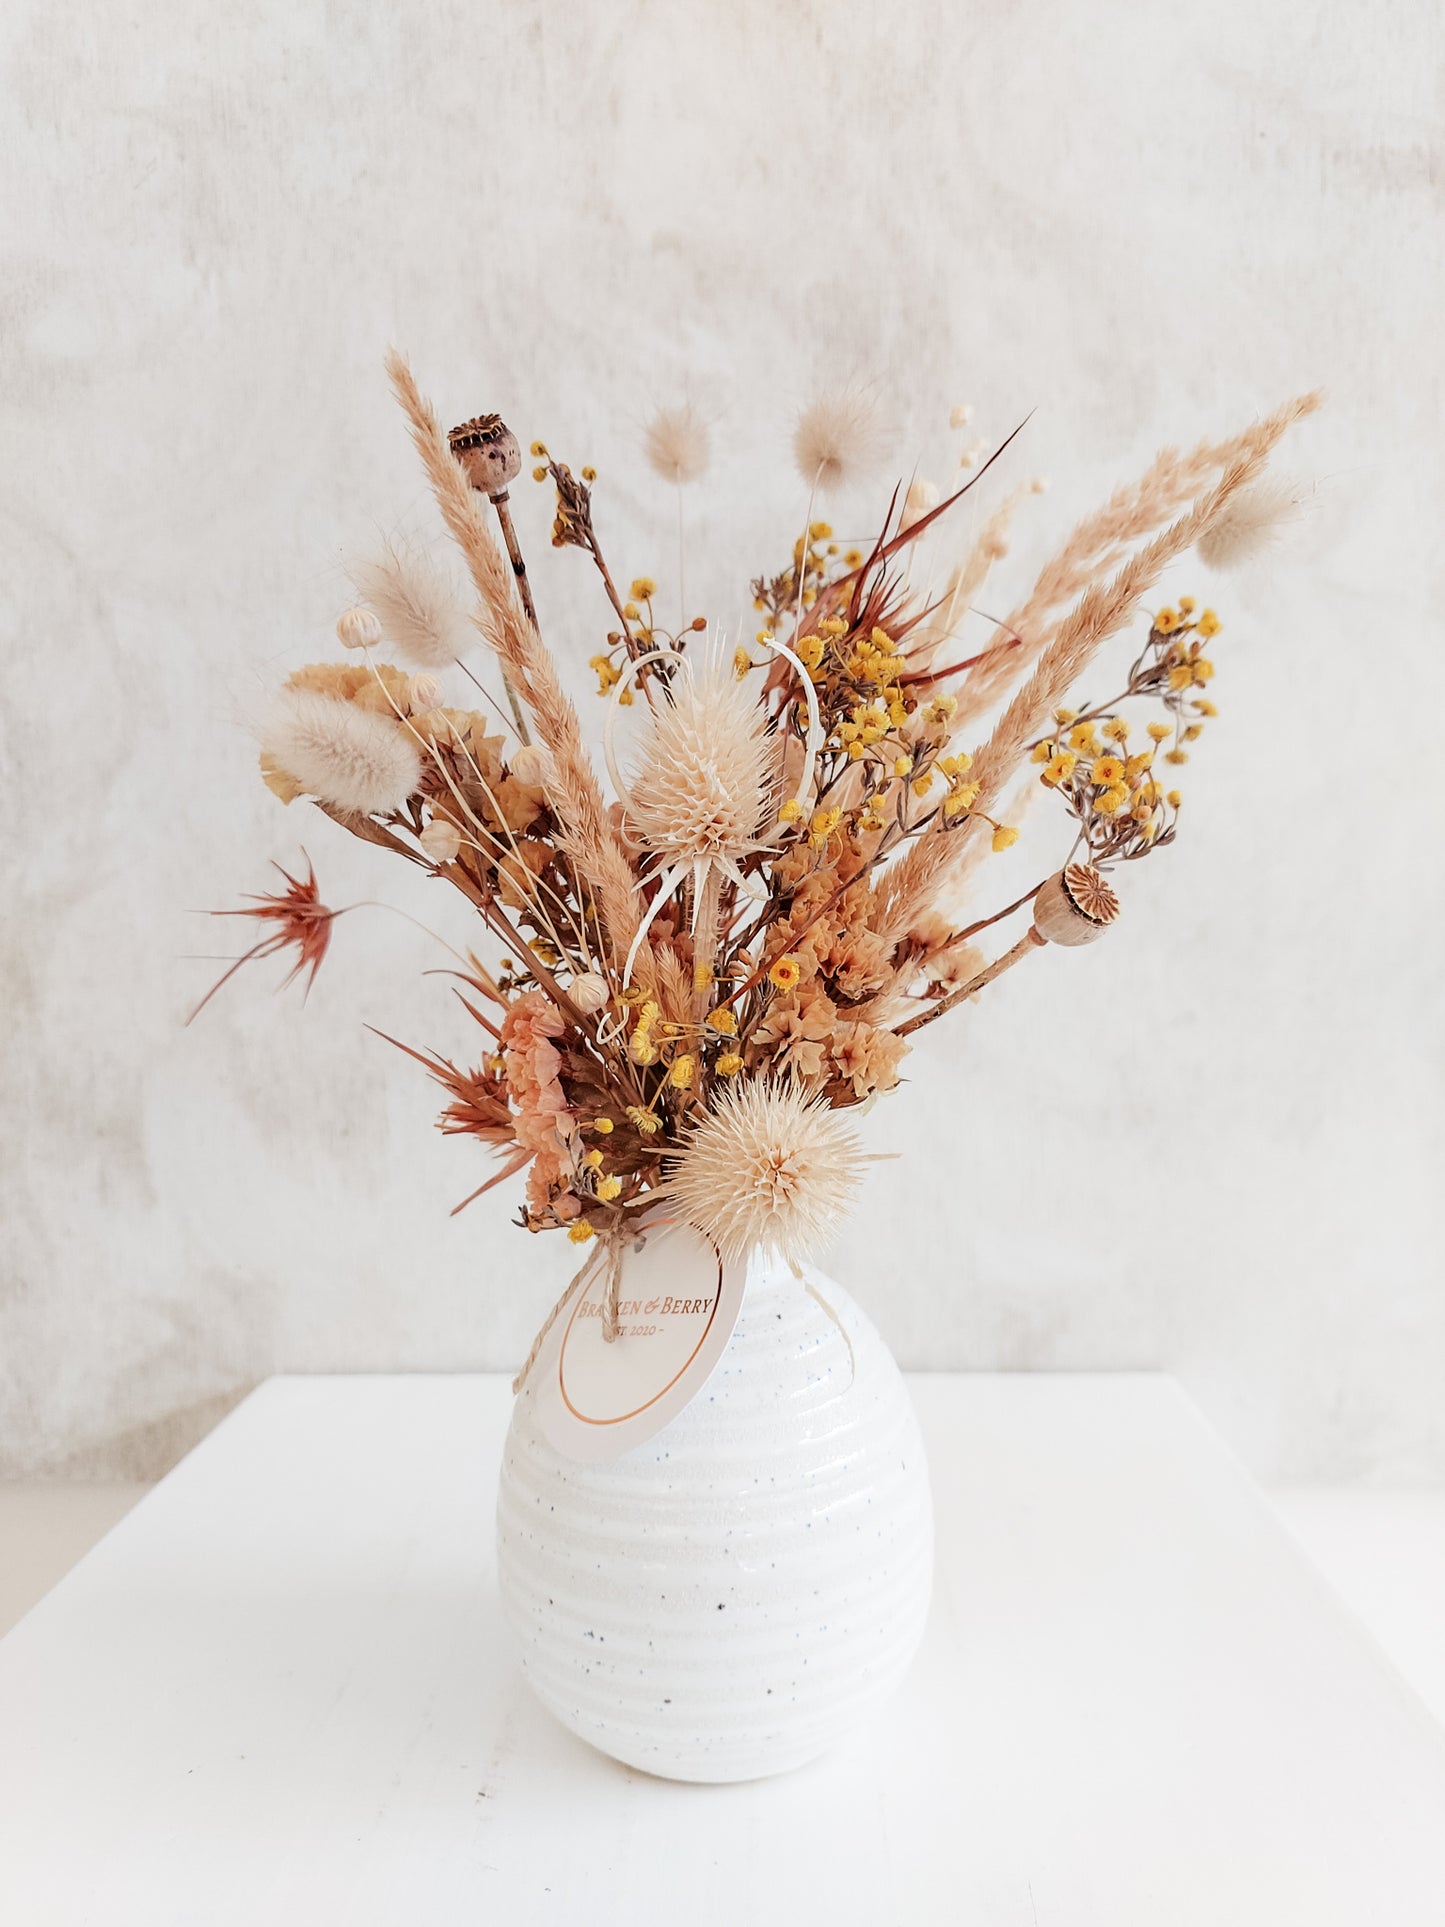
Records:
x=730, y=1598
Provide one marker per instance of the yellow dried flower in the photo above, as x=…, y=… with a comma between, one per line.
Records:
x=810, y=651
x=1187, y=605
x=853, y=559
x=1063, y=717
x=1159, y=731
x=593, y=1160
x=742, y=662
x=644, y=1120
x=1205, y=708
x=723, y=1019
x=1081, y=738
x=1177, y=756
x=940, y=710
x=833, y=626
x=791, y=811
x=1167, y=621
x=608, y=1189
x=1041, y=752
x=1203, y=669
x=589, y=474
x=786, y=973
x=1181, y=676
x=1106, y=770
x=922, y=784
x=682, y=1072
x=643, y=588
x=1209, y=623
x=1117, y=729
x=729, y=1064
x=580, y=1232
x=1004, y=838
x=603, y=1126
x=1174, y=799
x=539, y=474
x=702, y=975
x=902, y=765
x=1060, y=769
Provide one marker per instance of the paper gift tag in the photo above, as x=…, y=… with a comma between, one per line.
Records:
x=677, y=1304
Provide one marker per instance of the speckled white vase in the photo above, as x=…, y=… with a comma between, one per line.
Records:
x=729, y=1599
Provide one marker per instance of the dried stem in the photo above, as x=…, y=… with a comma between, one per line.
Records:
x=1030, y=940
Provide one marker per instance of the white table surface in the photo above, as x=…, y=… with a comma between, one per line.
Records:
x=281, y=1692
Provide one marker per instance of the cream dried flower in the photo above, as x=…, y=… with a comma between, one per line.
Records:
x=707, y=783
x=768, y=1166
x=677, y=444
x=358, y=629
x=350, y=758
x=419, y=610
x=1249, y=523
x=839, y=438
x=441, y=840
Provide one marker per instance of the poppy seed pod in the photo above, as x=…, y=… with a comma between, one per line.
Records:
x=1075, y=906
x=488, y=451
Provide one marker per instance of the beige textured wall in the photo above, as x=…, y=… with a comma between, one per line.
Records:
x=1213, y=1143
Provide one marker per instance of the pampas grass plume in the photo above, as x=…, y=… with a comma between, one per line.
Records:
x=1249, y=524
x=417, y=606
x=677, y=444
x=350, y=758
x=768, y=1166
x=839, y=438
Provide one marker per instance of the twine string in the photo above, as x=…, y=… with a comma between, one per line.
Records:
x=608, y=1251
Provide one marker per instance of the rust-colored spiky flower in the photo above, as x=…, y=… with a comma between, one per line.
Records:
x=296, y=916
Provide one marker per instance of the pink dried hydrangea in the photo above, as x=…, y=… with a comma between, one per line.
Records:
x=543, y=1122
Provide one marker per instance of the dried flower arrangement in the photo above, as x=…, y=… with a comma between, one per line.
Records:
x=701, y=978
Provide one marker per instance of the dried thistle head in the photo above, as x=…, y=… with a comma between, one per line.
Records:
x=705, y=785
x=839, y=438
x=676, y=443
x=768, y=1166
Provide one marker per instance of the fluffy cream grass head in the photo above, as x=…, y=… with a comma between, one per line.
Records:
x=419, y=611
x=705, y=784
x=1248, y=524
x=768, y=1166
x=677, y=444
x=350, y=758
x=839, y=438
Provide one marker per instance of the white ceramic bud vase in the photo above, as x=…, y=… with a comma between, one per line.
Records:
x=730, y=1598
